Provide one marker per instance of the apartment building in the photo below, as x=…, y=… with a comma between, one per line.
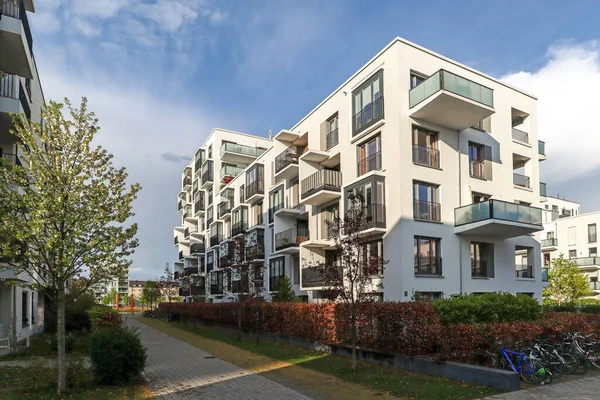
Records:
x=136, y=289
x=572, y=234
x=103, y=288
x=21, y=309
x=446, y=158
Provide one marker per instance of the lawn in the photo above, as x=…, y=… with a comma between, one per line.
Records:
x=381, y=379
x=13, y=378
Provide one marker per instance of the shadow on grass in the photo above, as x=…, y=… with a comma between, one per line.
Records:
x=372, y=376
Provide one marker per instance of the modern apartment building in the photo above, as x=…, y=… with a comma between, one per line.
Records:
x=445, y=157
x=21, y=309
x=572, y=234
x=103, y=288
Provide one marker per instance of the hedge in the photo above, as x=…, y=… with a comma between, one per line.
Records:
x=410, y=328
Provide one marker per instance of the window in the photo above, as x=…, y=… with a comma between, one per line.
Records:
x=480, y=161
x=242, y=198
x=427, y=254
x=416, y=79
x=480, y=198
x=254, y=180
x=369, y=156
x=25, y=308
x=276, y=272
x=572, y=236
x=426, y=202
x=593, y=252
x=275, y=202
x=482, y=260
x=428, y=296
x=328, y=216
x=210, y=151
x=549, y=235
x=332, y=137
x=592, y=233
x=425, y=148
x=372, y=193
x=546, y=260
x=257, y=214
x=373, y=253
x=209, y=193
x=367, y=105
x=572, y=253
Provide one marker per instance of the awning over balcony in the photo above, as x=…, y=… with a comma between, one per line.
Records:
x=498, y=219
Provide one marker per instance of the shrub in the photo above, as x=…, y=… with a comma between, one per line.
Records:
x=105, y=317
x=117, y=355
x=486, y=308
x=52, y=340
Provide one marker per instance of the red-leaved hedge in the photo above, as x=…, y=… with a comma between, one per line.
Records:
x=410, y=328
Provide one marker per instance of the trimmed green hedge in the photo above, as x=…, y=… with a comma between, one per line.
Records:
x=486, y=308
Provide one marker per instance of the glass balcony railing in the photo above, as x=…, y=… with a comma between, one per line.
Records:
x=521, y=180
x=520, y=136
x=424, y=155
x=241, y=149
x=10, y=158
x=524, y=271
x=444, y=80
x=544, y=274
x=541, y=148
x=230, y=171
x=497, y=209
x=291, y=238
x=552, y=242
x=587, y=261
x=542, y=189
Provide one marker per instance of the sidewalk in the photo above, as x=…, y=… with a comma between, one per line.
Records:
x=580, y=389
x=176, y=370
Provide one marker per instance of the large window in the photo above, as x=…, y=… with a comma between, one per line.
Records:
x=276, y=272
x=275, y=202
x=369, y=156
x=257, y=214
x=416, y=79
x=572, y=253
x=592, y=233
x=254, y=180
x=426, y=202
x=371, y=192
x=367, y=104
x=428, y=257
x=329, y=215
x=482, y=260
x=425, y=148
x=25, y=308
x=332, y=137
x=372, y=253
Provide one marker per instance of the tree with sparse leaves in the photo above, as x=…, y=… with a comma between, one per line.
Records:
x=169, y=287
x=566, y=283
x=64, y=213
x=355, y=275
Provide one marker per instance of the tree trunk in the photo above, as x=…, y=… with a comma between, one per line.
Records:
x=353, y=319
x=62, y=370
x=257, y=324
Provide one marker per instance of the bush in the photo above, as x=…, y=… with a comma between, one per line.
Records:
x=487, y=308
x=105, y=317
x=52, y=340
x=76, y=314
x=117, y=355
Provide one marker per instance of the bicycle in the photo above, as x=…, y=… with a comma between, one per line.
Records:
x=532, y=370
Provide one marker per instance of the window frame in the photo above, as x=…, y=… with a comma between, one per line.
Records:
x=280, y=261
x=592, y=238
x=362, y=157
x=359, y=90
x=418, y=267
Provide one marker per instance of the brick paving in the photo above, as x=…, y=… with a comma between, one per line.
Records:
x=176, y=370
x=580, y=389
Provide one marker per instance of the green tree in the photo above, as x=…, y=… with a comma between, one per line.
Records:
x=151, y=292
x=566, y=283
x=111, y=297
x=64, y=212
x=125, y=300
x=169, y=287
x=284, y=291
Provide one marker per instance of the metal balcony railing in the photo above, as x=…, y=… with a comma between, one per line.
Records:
x=427, y=211
x=424, y=155
x=332, y=138
x=552, y=242
x=216, y=239
x=9, y=85
x=476, y=169
x=11, y=158
x=368, y=115
x=521, y=180
x=10, y=9
x=371, y=163
x=241, y=286
x=256, y=252
x=190, y=270
x=291, y=238
x=241, y=149
x=287, y=157
x=256, y=187
x=524, y=271
x=321, y=180
x=312, y=276
x=223, y=209
x=520, y=136
x=239, y=227
x=444, y=80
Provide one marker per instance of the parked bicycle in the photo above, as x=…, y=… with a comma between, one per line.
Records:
x=531, y=370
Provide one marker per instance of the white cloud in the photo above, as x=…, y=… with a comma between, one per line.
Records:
x=168, y=14
x=567, y=87
x=217, y=17
x=47, y=22
x=85, y=28
x=98, y=8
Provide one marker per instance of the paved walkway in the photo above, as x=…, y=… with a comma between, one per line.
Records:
x=580, y=389
x=176, y=370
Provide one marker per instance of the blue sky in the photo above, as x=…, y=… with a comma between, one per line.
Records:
x=161, y=73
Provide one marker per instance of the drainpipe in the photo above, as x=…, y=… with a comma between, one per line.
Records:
x=460, y=270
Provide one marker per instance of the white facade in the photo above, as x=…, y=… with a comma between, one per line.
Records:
x=21, y=309
x=420, y=136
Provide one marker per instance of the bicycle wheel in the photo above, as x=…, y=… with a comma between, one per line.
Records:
x=536, y=375
x=491, y=362
x=568, y=364
x=594, y=358
x=548, y=379
x=583, y=365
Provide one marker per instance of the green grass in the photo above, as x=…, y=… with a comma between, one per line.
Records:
x=39, y=347
x=393, y=381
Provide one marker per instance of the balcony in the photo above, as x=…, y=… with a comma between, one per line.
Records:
x=371, y=163
x=524, y=271
x=255, y=253
x=447, y=99
x=587, y=263
x=176, y=241
x=427, y=211
x=215, y=240
x=595, y=286
x=239, y=153
x=312, y=278
x=180, y=204
x=521, y=181
x=181, y=256
x=224, y=210
x=187, y=182
x=16, y=40
x=228, y=172
x=199, y=207
x=332, y=139
x=188, y=271
x=497, y=219
x=13, y=97
x=255, y=191
x=542, y=150
x=321, y=187
x=197, y=248
x=477, y=169
x=216, y=289
x=207, y=174
x=286, y=163
x=290, y=240
x=239, y=228
x=520, y=136
x=241, y=286
x=549, y=244
x=10, y=158
x=198, y=166
x=542, y=189
x=427, y=156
